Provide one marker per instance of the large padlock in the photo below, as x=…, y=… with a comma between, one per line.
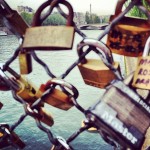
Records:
x=16, y=23
x=94, y=71
x=58, y=98
x=129, y=35
x=122, y=115
x=51, y=37
x=11, y=138
x=141, y=76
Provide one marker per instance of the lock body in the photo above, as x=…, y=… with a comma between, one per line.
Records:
x=27, y=91
x=96, y=73
x=51, y=38
x=25, y=63
x=46, y=117
x=59, y=99
x=120, y=118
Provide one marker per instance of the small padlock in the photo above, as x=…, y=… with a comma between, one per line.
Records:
x=11, y=137
x=142, y=74
x=46, y=117
x=51, y=37
x=122, y=115
x=18, y=25
x=25, y=62
x=1, y=105
x=58, y=98
x=94, y=71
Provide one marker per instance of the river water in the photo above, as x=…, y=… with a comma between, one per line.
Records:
x=66, y=122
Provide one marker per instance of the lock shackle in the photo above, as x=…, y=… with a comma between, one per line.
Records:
x=62, y=83
x=37, y=17
x=146, y=48
x=98, y=45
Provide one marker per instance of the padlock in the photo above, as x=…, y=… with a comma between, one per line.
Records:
x=46, y=117
x=11, y=137
x=51, y=37
x=1, y=105
x=121, y=114
x=25, y=62
x=94, y=71
x=129, y=35
x=58, y=98
x=141, y=76
x=16, y=23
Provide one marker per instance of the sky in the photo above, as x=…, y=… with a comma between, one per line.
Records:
x=101, y=7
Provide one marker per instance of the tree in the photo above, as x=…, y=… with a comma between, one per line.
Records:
x=27, y=17
x=87, y=17
x=135, y=11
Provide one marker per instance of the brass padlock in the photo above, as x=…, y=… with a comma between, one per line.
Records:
x=25, y=62
x=94, y=71
x=27, y=91
x=46, y=117
x=51, y=37
x=17, y=24
x=129, y=35
x=122, y=115
x=58, y=98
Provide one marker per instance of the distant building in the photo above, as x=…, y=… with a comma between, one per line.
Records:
x=79, y=18
x=25, y=9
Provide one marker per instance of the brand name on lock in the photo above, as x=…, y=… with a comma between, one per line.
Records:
x=118, y=126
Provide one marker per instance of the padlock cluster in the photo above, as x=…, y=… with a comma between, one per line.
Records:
x=121, y=116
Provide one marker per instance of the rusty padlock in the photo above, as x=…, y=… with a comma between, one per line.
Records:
x=51, y=37
x=58, y=98
x=11, y=138
x=121, y=114
x=129, y=35
x=94, y=71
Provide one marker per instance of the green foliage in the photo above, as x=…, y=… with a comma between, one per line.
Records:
x=91, y=18
x=87, y=17
x=135, y=11
x=27, y=17
x=55, y=19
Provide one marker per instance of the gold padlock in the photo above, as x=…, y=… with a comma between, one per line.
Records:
x=58, y=98
x=51, y=37
x=129, y=35
x=25, y=62
x=94, y=71
x=46, y=117
x=27, y=90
